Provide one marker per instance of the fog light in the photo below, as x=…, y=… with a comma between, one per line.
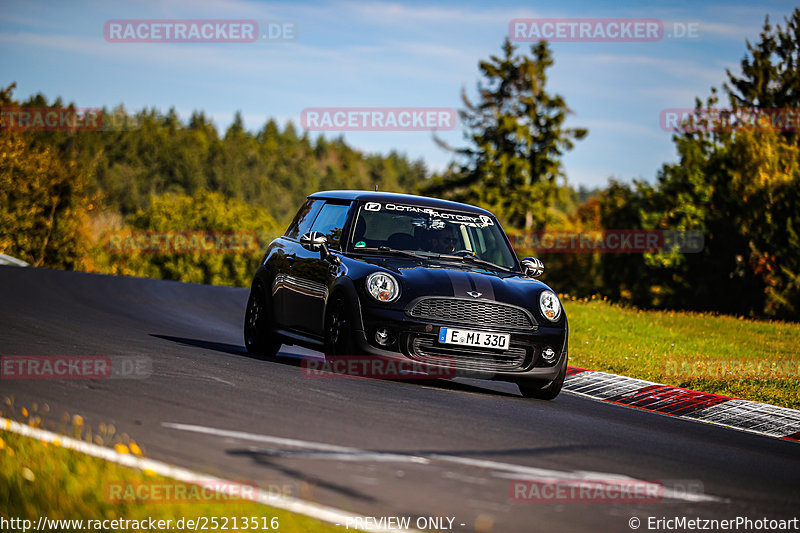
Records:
x=549, y=354
x=383, y=336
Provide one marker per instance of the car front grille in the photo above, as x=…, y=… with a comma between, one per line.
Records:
x=427, y=349
x=471, y=313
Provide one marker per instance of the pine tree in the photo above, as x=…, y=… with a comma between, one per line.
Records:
x=517, y=138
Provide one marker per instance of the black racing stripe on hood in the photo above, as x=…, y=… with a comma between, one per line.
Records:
x=482, y=284
x=459, y=281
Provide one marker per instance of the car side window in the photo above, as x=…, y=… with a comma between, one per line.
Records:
x=330, y=222
x=304, y=218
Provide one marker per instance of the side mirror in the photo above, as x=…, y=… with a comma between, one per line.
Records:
x=532, y=267
x=316, y=241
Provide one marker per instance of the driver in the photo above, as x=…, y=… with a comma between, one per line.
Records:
x=443, y=241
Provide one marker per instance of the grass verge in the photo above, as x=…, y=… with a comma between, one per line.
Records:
x=40, y=479
x=748, y=359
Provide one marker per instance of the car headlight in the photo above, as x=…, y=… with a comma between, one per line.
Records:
x=549, y=305
x=383, y=287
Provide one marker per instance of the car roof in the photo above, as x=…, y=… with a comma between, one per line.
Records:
x=424, y=201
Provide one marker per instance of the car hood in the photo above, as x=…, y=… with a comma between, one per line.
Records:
x=463, y=280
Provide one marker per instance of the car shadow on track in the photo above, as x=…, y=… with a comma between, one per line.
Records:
x=296, y=360
x=224, y=347
x=266, y=460
x=275, y=460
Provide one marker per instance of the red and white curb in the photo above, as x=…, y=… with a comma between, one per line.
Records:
x=745, y=415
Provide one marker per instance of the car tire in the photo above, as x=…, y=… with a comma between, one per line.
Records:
x=339, y=331
x=544, y=390
x=258, y=336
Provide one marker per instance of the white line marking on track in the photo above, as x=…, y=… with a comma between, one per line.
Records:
x=293, y=505
x=500, y=469
x=293, y=443
x=355, y=455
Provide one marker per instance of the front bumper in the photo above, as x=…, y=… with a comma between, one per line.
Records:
x=417, y=339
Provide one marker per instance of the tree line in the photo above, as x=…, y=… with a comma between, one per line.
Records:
x=62, y=192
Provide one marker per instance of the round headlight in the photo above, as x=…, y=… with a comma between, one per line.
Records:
x=383, y=287
x=549, y=305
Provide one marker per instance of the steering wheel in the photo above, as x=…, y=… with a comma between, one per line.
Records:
x=463, y=252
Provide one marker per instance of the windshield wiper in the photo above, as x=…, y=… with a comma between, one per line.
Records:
x=475, y=259
x=419, y=254
x=386, y=249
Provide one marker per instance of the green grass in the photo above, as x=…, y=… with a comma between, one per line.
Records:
x=700, y=351
x=40, y=479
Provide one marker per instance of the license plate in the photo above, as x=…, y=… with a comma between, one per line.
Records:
x=477, y=339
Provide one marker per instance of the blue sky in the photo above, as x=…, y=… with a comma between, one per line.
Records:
x=386, y=54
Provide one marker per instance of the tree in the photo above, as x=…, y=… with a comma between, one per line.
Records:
x=740, y=188
x=771, y=75
x=517, y=137
x=205, y=211
x=56, y=186
x=44, y=201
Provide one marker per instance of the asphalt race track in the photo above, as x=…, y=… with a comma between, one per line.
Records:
x=370, y=447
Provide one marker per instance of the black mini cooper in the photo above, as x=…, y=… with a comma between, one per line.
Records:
x=408, y=277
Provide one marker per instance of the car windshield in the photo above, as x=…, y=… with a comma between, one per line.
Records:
x=430, y=232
